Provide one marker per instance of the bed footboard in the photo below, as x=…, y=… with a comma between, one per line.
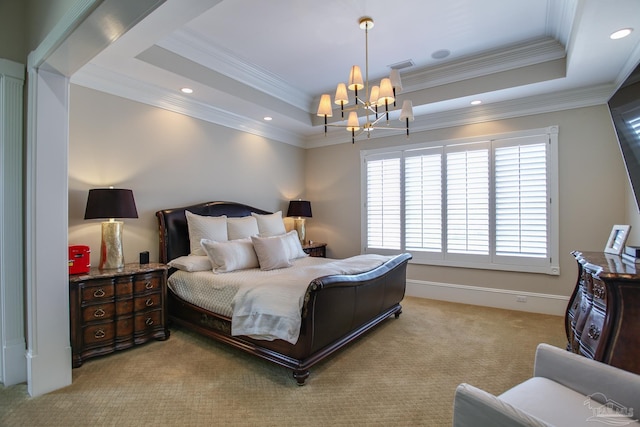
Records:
x=338, y=306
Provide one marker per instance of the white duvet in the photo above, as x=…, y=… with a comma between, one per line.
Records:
x=264, y=304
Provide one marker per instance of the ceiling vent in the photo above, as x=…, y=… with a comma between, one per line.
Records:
x=403, y=64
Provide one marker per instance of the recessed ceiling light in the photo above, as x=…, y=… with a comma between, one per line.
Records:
x=186, y=90
x=476, y=102
x=621, y=33
x=268, y=119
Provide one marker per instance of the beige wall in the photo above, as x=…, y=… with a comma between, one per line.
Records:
x=43, y=16
x=168, y=160
x=13, y=37
x=25, y=23
x=592, y=187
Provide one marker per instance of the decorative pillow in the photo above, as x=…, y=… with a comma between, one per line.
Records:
x=293, y=246
x=205, y=227
x=242, y=228
x=191, y=263
x=272, y=252
x=230, y=256
x=270, y=224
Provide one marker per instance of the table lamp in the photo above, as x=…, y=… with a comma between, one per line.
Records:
x=300, y=210
x=111, y=203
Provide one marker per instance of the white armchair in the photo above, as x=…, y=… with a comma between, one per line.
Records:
x=566, y=390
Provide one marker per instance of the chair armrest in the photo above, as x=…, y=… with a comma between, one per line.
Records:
x=587, y=376
x=477, y=408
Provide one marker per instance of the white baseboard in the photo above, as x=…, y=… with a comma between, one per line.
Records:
x=489, y=297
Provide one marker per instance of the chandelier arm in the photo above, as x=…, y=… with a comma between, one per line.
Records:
x=371, y=127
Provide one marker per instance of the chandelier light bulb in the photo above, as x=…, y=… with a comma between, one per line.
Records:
x=352, y=123
x=355, y=78
x=396, y=81
x=386, y=92
x=342, y=97
x=324, y=109
x=375, y=93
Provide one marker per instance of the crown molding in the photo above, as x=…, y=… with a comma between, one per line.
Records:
x=486, y=63
x=532, y=52
x=527, y=106
x=193, y=46
x=104, y=80
x=560, y=18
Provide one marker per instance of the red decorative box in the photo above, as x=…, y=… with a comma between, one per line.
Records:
x=79, y=259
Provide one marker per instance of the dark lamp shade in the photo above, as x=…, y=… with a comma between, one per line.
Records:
x=300, y=208
x=110, y=203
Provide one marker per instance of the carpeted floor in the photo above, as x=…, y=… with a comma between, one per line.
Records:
x=403, y=373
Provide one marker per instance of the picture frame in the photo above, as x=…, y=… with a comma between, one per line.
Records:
x=617, y=239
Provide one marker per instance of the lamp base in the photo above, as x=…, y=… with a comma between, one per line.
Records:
x=111, y=253
x=298, y=224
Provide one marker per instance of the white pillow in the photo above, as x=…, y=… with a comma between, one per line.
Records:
x=191, y=263
x=242, y=228
x=205, y=227
x=272, y=252
x=293, y=246
x=230, y=256
x=270, y=224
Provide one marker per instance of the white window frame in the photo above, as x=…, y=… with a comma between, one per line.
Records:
x=548, y=265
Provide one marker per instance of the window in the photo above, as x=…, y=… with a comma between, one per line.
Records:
x=481, y=203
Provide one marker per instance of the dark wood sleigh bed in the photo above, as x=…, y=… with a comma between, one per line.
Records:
x=337, y=309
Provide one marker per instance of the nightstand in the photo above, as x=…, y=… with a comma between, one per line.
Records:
x=116, y=309
x=315, y=249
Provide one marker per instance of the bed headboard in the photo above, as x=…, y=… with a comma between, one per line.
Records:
x=174, y=235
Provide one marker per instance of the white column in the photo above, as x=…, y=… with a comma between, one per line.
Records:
x=13, y=365
x=47, y=272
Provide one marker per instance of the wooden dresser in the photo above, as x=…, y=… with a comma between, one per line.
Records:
x=116, y=309
x=603, y=317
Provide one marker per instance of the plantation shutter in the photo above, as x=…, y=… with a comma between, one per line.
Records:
x=521, y=197
x=468, y=200
x=423, y=201
x=383, y=206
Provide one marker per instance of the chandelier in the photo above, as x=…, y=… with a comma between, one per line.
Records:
x=368, y=98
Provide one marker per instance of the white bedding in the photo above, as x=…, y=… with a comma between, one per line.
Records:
x=265, y=304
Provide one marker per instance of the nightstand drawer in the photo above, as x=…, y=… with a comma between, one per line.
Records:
x=101, y=333
x=150, y=319
x=147, y=283
x=101, y=290
x=98, y=312
x=315, y=249
x=147, y=302
x=592, y=332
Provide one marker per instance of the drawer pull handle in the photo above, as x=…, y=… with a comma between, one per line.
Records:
x=99, y=313
x=148, y=284
x=149, y=321
x=594, y=332
x=148, y=302
x=99, y=293
x=99, y=334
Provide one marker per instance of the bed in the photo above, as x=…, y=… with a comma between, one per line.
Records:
x=336, y=310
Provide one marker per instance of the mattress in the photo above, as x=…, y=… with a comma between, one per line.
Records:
x=215, y=292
